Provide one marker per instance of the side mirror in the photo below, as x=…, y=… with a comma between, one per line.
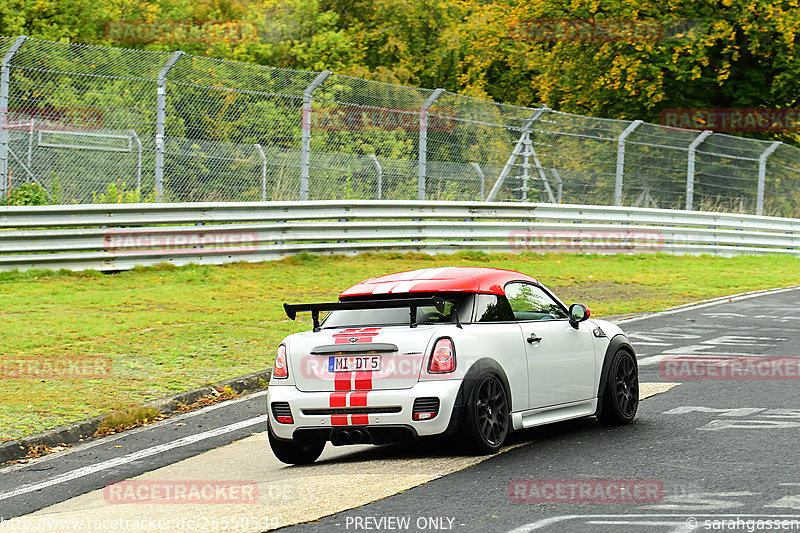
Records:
x=577, y=314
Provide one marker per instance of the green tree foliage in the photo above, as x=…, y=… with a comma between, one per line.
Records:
x=730, y=54
x=726, y=54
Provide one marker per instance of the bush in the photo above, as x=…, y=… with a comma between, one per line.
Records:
x=116, y=193
x=28, y=194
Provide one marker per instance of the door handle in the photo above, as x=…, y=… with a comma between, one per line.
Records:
x=534, y=338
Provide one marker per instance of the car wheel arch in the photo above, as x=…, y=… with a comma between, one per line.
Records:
x=476, y=370
x=617, y=343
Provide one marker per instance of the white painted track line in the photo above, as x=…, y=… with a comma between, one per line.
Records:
x=135, y=456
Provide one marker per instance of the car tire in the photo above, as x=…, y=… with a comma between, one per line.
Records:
x=294, y=453
x=620, y=397
x=486, y=419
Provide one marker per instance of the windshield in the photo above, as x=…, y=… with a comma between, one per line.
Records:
x=385, y=317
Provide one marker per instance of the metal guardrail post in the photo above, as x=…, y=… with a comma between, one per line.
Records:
x=560, y=183
x=423, y=142
x=479, y=171
x=518, y=148
x=263, y=157
x=161, y=104
x=762, y=175
x=690, y=168
x=5, y=80
x=621, y=160
x=305, y=148
x=379, y=170
x=138, y=160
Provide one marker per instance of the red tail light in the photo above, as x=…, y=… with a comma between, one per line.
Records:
x=280, y=370
x=443, y=358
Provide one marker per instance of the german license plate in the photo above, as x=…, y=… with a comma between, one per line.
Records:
x=354, y=363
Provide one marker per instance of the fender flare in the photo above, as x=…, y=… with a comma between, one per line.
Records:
x=618, y=342
x=478, y=368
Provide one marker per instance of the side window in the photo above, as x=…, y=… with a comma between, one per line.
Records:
x=492, y=308
x=529, y=302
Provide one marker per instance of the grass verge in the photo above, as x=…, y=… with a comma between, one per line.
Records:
x=166, y=329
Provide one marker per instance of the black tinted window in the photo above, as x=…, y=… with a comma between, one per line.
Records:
x=492, y=308
x=378, y=317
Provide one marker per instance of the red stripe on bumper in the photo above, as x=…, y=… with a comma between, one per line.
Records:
x=343, y=381
x=363, y=381
x=360, y=420
x=358, y=399
x=339, y=420
x=338, y=399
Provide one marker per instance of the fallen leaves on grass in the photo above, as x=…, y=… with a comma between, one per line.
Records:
x=125, y=419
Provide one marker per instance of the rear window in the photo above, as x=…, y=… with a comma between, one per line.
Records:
x=386, y=317
x=492, y=308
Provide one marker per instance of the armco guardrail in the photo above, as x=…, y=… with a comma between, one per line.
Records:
x=119, y=237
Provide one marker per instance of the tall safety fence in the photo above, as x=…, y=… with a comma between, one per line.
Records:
x=97, y=125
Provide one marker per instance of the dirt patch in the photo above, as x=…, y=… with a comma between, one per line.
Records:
x=600, y=291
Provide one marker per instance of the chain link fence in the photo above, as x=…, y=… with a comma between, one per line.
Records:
x=98, y=124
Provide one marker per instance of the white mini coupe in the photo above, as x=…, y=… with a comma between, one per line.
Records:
x=472, y=352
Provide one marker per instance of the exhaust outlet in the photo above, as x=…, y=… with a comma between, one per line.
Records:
x=341, y=438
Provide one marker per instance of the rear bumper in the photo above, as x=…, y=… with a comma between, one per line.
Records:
x=344, y=435
x=381, y=427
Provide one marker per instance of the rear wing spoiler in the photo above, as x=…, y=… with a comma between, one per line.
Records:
x=410, y=303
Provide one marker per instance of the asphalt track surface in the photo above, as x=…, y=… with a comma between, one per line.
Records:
x=721, y=453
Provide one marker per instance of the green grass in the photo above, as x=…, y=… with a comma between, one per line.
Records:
x=170, y=329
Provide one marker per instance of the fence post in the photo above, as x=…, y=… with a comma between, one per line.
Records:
x=263, y=157
x=690, y=168
x=423, y=142
x=762, y=175
x=30, y=142
x=305, y=148
x=161, y=105
x=560, y=183
x=138, y=160
x=479, y=171
x=5, y=80
x=379, y=170
x=518, y=148
x=621, y=160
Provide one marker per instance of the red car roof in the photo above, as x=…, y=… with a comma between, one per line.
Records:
x=446, y=279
